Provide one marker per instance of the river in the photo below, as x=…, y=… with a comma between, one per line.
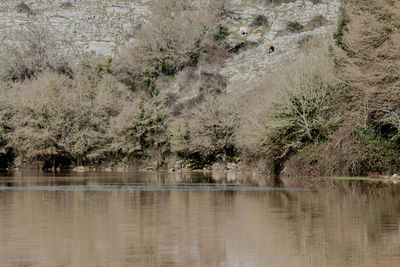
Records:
x=160, y=219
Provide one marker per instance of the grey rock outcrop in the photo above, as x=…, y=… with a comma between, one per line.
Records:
x=249, y=66
x=102, y=26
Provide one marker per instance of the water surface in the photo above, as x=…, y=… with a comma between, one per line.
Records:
x=160, y=219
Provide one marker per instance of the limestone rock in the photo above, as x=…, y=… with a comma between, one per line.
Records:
x=231, y=166
x=219, y=166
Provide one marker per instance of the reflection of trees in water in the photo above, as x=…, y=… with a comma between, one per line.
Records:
x=345, y=227
x=194, y=228
x=140, y=228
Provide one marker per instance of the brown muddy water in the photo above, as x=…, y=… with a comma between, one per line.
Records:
x=161, y=219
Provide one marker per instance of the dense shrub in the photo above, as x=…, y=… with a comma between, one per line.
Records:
x=164, y=47
x=6, y=153
x=316, y=22
x=368, y=34
x=58, y=122
x=208, y=134
x=221, y=34
x=356, y=150
x=302, y=111
x=291, y=27
x=366, y=142
x=175, y=37
x=294, y=26
x=259, y=20
x=379, y=153
x=140, y=134
x=341, y=28
x=28, y=51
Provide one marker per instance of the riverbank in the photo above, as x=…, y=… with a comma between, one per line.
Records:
x=172, y=100
x=205, y=178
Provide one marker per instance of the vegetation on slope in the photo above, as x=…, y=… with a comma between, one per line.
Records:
x=56, y=114
x=366, y=141
x=333, y=111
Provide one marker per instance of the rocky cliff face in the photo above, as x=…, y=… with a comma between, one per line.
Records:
x=79, y=25
x=312, y=20
x=101, y=26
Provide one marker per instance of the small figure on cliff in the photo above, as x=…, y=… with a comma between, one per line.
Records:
x=270, y=48
x=244, y=30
